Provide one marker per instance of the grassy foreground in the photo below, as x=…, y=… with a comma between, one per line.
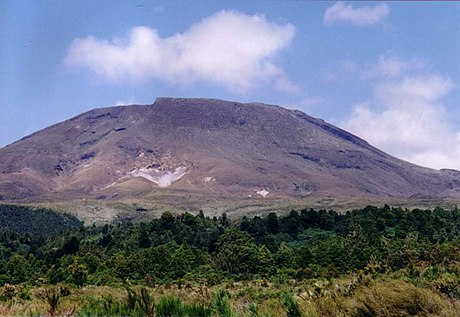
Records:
x=357, y=295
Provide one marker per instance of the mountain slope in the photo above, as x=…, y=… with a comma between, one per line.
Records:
x=208, y=148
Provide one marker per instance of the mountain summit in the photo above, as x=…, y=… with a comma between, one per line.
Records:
x=208, y=149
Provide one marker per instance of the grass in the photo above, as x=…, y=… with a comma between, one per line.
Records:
x=292, y=306
x=52, y=297
x=146, y=302
x=353, y=296
x=170, y=306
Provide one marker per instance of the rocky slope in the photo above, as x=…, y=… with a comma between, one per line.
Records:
x=204, y=149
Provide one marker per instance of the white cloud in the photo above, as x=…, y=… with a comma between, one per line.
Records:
x=413, y=91
x=342, y=12
x=407, y=119
x=388, y=66
x=391, y=66
x=228, y=49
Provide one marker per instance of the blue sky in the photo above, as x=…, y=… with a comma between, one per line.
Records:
x=386, y=71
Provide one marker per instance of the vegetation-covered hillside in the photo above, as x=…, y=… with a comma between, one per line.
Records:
x=322, y=259
x=42, y=222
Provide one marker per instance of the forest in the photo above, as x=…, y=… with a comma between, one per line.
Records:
x=376, y=261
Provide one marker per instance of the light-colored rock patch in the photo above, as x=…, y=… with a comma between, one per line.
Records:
x=263, y=193
x=163, y=178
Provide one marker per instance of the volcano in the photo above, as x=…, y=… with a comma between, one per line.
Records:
x=196, y=151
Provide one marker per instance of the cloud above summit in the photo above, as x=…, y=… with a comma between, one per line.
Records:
x=229, y=49
x=406, y=116
x=342, y=12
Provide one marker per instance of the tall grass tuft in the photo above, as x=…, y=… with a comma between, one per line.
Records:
x=197, y=310
x=131, y=299
x=221, y=304
x=253, y=310
x=293, y=308
x=146, y=303
x=52, y=298
x=395, y=298
x=64, y=290
x=110, y=306
x=170, y=306
x=8, y=292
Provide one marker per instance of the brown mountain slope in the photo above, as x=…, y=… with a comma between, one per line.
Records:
x=207, y=148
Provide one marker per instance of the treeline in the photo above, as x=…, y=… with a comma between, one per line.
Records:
x=40, y=221
x=304, y=244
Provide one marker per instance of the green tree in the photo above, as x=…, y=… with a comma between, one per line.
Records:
x=273, y=225
x=78, y=273
x=358, y=250
x=286, y=257
x=265, y=262
x=18, y=270
x=236, y=252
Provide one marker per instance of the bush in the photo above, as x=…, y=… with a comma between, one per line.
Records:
x=395, y=298
x=8, y=292
x=448, y=284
